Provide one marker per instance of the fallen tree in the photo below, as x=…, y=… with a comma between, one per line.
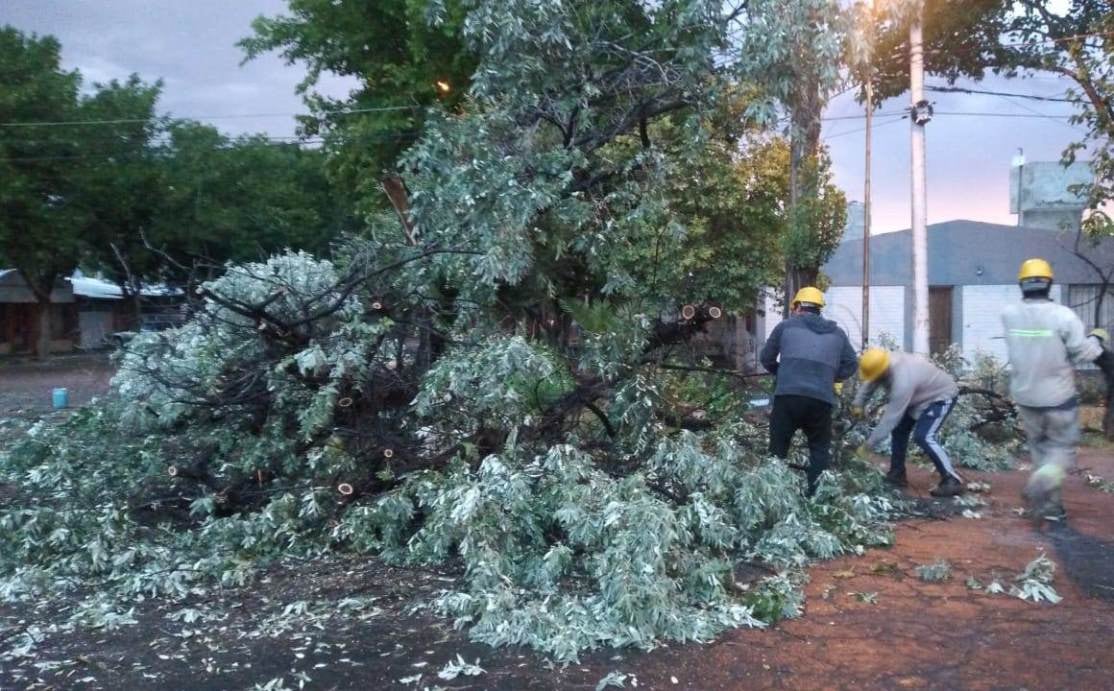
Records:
x=498, y=375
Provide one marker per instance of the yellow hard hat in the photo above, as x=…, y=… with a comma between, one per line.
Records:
x=810, y=295
x=1034, y=268
x=873, y=363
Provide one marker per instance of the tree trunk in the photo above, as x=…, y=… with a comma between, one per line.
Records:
x=804, y=148
x=42, y=343
x=1108, y=416
x=41, y=286
x=137, y=308
x=1105, y=363
x=1103, y=287
x=795, y=156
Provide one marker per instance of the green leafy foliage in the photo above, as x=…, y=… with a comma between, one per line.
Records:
x=487, y=378
x=138, y=197
x=398, y=50
x=939, y=570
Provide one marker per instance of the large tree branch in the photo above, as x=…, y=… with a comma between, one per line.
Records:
x=646, y=110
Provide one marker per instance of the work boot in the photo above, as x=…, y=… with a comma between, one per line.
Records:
x=897, y=478
x=948, y=487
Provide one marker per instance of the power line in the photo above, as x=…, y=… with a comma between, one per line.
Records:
x=1065, y=39
x=863, y=129
x=1002, y=115
x=860, y=116
x=962, y=90
x=133, y=121
x=277, y=141
x=1016, y=101
x=1031, y=114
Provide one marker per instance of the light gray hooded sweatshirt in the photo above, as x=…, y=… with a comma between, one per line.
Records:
x=914, y=383
x=1044, y=339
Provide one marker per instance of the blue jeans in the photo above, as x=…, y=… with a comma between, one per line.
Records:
x=923, y=430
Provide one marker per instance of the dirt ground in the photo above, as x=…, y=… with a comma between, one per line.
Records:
x=914, y=634
x=26, y=384
x=869, y=621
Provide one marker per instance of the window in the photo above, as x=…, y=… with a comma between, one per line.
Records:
x=1083, y=298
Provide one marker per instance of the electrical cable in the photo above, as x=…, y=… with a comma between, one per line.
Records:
x=963, y=90
x=132, y=121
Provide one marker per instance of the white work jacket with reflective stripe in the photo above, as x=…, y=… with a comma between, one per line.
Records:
x=1045, y=339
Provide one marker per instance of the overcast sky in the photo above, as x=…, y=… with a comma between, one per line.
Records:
x=190, y=44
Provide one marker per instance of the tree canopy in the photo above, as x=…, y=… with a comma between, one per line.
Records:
x=408, y=55
x=38, y=198
x=98, y=179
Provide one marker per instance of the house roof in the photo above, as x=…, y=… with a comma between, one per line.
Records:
x=966, y=253
x=97, y=289
x=93, y=288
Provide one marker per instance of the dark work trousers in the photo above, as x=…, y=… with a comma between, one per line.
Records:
x=924, y=431
x=792, y=413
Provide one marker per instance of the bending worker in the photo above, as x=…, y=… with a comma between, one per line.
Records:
x=1044, y=340
x=920, y=397
x=808, y=355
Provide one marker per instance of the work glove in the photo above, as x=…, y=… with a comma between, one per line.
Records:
x=862, y=452
x=1102, y=335
x=838, y=386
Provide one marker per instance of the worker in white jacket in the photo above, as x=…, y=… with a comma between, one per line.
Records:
x=1045, y=341
x=920, y=396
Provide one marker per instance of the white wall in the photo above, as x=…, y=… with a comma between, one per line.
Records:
x=982, y=317
x=772, y=306
x=887, y=312
x=845, y=307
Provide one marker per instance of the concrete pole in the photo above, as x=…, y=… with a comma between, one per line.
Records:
x=866, y=211
x=919, y=203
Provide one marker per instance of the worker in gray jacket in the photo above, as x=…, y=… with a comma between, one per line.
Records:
x=1045, y=341
x=808, y=355
x=920, y=397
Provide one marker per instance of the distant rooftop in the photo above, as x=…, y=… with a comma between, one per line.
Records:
x=100, y=289
x=963, y=252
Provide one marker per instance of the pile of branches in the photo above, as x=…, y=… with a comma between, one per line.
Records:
x=307, y=408
x=498, y=374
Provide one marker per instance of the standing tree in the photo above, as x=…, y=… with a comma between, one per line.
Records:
x=794, y=50
x=404, y=64
x=121, y=187
x=234, y=200
x=40, y=221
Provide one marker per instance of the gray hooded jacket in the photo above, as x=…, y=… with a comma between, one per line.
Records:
x=914, y=383
x=808, y=354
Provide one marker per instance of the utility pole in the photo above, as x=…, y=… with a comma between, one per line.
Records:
x=866, y=214
x=866, y=176
x=921, y=113
x=1019, y=163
